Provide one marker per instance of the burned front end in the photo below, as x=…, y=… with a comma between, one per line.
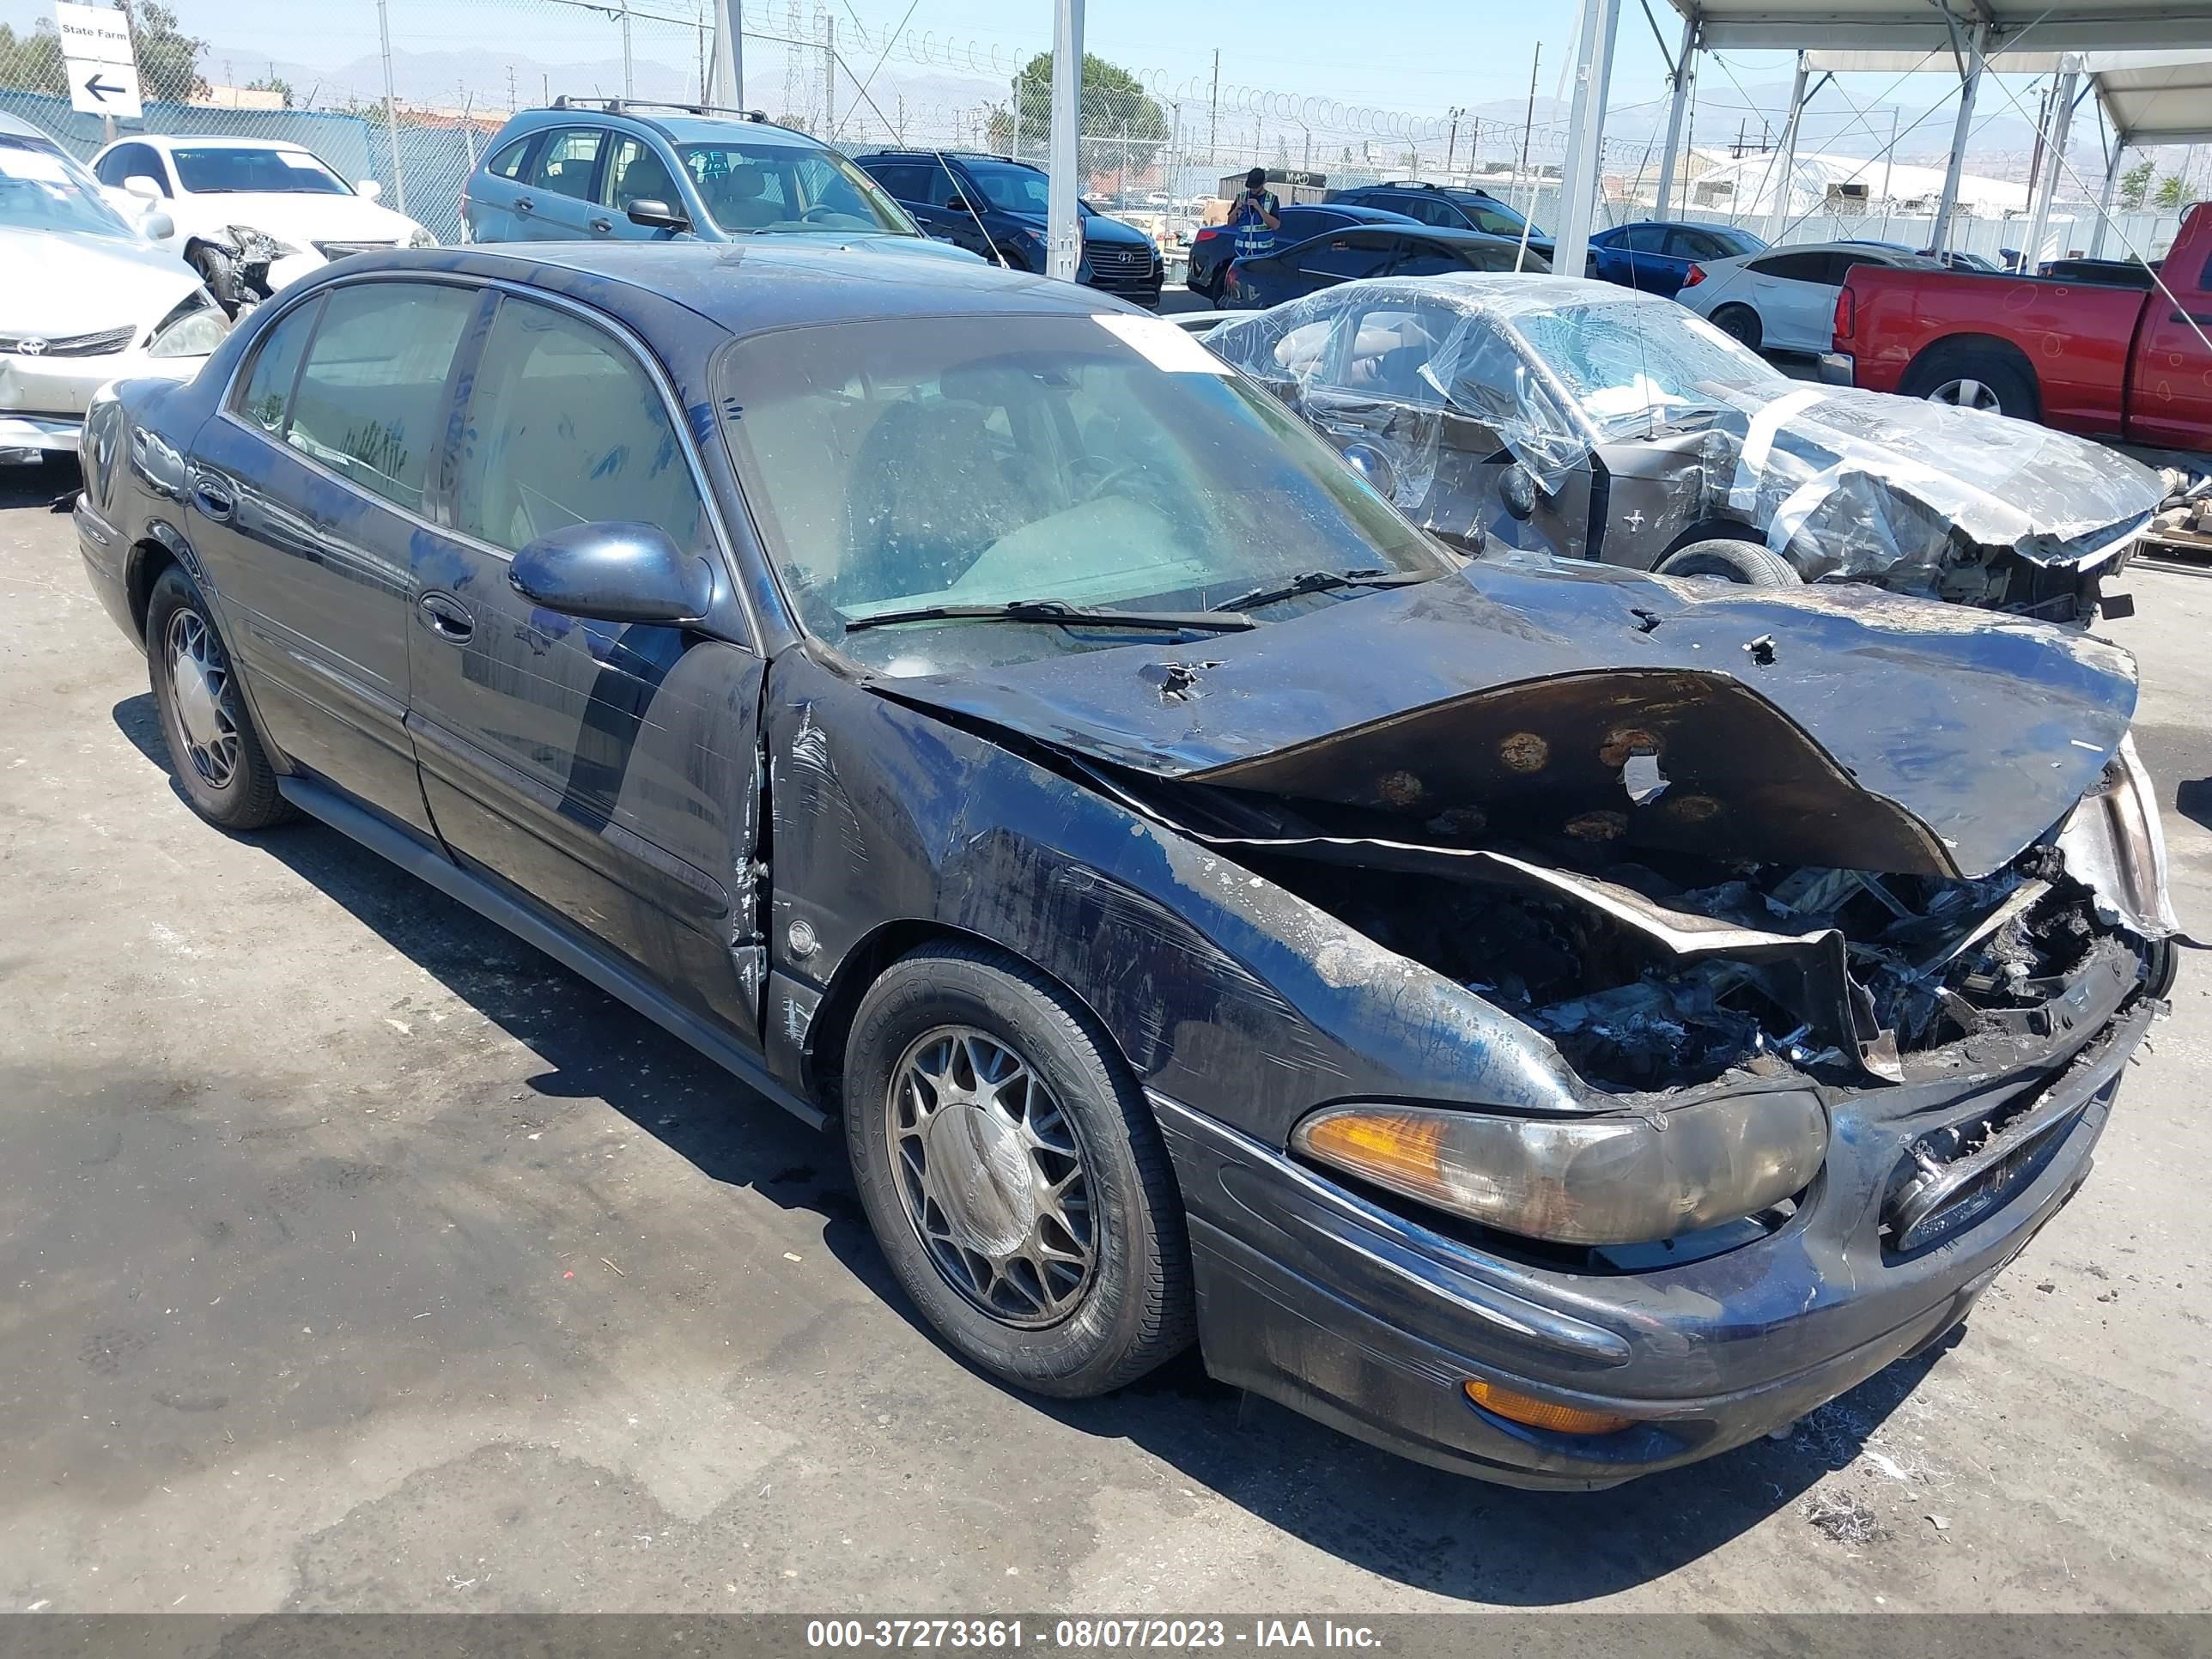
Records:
x=1736, y=1010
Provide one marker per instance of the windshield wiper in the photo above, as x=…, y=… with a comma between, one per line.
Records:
x=1323, y=581
x=1060, y=611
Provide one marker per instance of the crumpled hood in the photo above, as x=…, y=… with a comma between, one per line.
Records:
x=1835, y=725
x=303, y=220
x=1868, y=475
x=56, y=285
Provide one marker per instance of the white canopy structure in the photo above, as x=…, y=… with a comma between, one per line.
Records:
x=2156, y=97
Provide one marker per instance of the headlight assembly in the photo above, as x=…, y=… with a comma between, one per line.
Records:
x=422, y=238
x=1618, y=1178
x=258, y=247
x=193, y=329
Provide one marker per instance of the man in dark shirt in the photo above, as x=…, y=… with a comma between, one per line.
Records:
x=1253, y=221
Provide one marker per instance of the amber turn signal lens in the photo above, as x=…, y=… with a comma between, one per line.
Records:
x=1542, y=1414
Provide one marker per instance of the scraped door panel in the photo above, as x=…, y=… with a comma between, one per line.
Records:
x=609, y=769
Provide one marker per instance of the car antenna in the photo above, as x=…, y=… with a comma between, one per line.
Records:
x=955, y=181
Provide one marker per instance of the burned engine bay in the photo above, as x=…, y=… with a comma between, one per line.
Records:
x=1653, y=970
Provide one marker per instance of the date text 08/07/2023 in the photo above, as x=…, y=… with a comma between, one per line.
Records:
x=1010, y=1634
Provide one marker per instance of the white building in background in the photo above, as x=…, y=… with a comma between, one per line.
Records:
x=1840, y=185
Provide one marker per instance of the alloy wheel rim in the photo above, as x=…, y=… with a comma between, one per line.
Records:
x=199, y=683
x=992, y=1175
x=1967, y=394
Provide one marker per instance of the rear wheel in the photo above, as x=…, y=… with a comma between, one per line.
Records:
x=1013, y=1174
x=214, y=748
x=1740, y=322
x=1732, y=561
x=1969, y=379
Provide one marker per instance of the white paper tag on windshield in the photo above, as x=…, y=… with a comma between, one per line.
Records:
x=1161, y=343
x=33, y=164
x=292, y=158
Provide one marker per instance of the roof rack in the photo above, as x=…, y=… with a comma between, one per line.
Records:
x=624, y=105
x=950, y=150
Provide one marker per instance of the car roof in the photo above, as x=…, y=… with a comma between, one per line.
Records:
x=679, y=127
x=756, y=286
x=1358, y=212
x=212, y=141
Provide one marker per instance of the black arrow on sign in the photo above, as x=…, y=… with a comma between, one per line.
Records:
x=100, y=89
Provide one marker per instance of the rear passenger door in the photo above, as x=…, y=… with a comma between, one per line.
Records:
x=607, y=769
x=1795, y=298
x=308, y=492
x=1342, y=258
x=488, y=200
x=556, y=203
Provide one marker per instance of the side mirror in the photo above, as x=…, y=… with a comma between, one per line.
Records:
x=956, y=205
x=1517, y=490
x=1371, y=463
x=368, y=189
x=142, y=187
x=656, y=215
x=621, y=573
x=157, y=227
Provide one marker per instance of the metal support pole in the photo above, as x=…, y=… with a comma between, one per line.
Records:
x=725, y=85
x=2062, y=113
x=1063, y=228
x=829, y=74
x=2105, y=196
x=629, y=64
x=1938, y=234
x=1578, y=177
x=1686, y=75
x=1785, y=186
x=391, y=110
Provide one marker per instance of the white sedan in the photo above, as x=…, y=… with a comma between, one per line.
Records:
x=1785, y=298
x=251, y=214
x=84, y=299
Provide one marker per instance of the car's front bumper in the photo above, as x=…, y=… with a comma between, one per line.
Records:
x=1369, y=1320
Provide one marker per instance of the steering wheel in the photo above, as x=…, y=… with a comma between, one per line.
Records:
x=821, y=212
x=1112, y=476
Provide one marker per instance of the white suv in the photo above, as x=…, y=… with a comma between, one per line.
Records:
x=250, y=214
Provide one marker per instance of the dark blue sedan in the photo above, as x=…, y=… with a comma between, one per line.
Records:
x=1211, y=249
x=996, y=730
x=1656, y=255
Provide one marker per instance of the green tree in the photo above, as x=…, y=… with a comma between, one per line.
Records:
x=1120, y=120
x=277, y=84
x=168, y=59
x=2171, y=192
x=2134, y=184
x=32, y=61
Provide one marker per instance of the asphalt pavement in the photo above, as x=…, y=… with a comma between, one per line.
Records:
x=356, y=1256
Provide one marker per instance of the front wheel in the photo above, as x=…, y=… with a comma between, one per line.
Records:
x=1012, y=1173
x=220, y=272
x=214, y=751
x=1731, y=560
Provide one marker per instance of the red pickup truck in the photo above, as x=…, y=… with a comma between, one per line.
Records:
x=2107, y=361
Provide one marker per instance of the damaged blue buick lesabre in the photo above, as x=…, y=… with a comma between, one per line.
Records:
x=1554, y=1022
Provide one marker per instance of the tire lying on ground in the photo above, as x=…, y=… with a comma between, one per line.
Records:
x=1731, y=560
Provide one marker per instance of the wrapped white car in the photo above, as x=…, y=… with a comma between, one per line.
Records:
x=84, y=299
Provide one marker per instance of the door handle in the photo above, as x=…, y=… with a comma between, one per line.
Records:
x=212, y=498
x=447, y=618
x=603, y=224
x=524, y=204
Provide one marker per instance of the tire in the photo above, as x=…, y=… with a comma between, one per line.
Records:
x=1065, y=1320
x=220, y=272
x=226, y=777
x=1217, y=289
x=1974, y=380
x=1741, y=323
x=1733, y=560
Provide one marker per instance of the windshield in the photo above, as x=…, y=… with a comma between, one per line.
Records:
x=237, y=170
x=782, y=187
x=1106, y=460
x=1628, y=363
x=43, y=190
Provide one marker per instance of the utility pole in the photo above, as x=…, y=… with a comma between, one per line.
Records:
x=1451, y=144
x=629, y=68
x=727, y=86
x=1213, y=118
x=2035, y=157
x=510, y=88
x=1063, y=229
x=391, y=108
x=829, y=73
x=1528, y=123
